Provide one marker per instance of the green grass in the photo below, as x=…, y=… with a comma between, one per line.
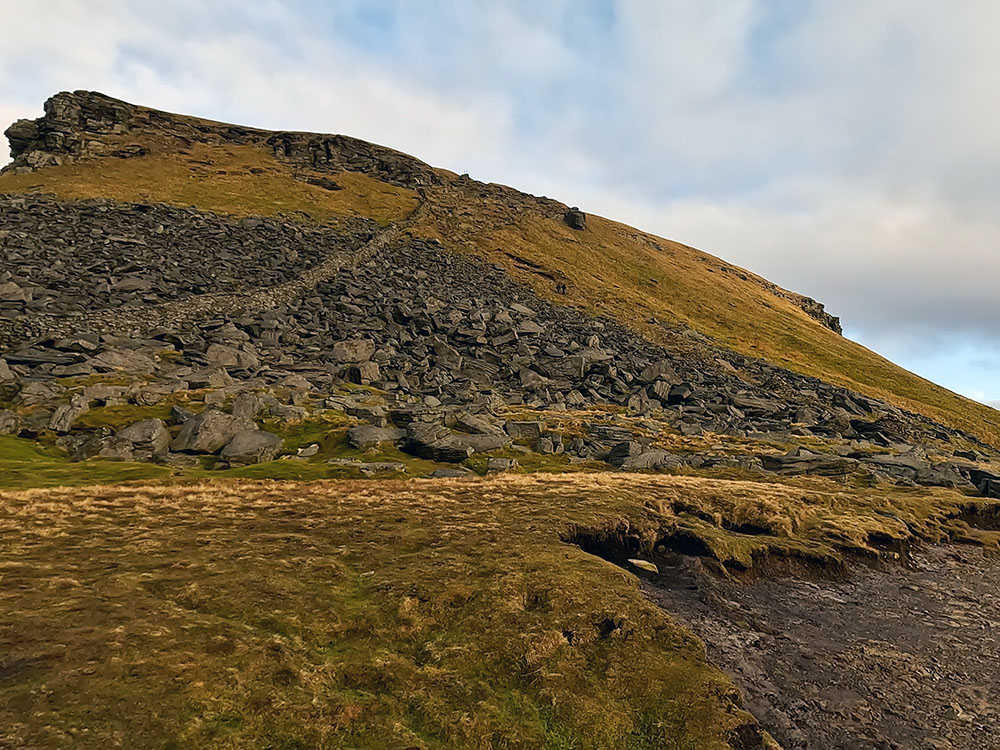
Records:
x=25, y=463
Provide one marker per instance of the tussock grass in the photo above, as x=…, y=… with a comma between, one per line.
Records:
x=424, y=614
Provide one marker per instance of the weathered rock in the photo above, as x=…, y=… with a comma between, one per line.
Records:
x=822, y=465
x=652, y=460
x=576, y=219
x=525, y=430
x=9, y=422
x=366, y=436
x=209, y=431
x=180, y=415
x=363, y=373
x=625, y=450
x=476, y=424
x=177, y=460
x=64, y=417
x=229, y=356
x=247, y=405
x=500, y=465
x=147, y=434
x=438, y=443
x=370, y=467
x=353, y=351
x=450, y=473
x=251, y=447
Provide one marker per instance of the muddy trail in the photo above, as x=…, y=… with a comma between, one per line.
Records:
x=893, y=657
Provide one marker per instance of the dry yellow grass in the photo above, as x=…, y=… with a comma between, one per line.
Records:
x=634, y=277
x=422, y=614
x=219, y=178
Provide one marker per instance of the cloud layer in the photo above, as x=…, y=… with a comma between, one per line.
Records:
x=847, y=150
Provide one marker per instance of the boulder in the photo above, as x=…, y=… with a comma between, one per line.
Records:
x=369, y=467
x=363, y=373
x=449, y=473
x=230, y=356
x=660, y=370
x=475, y=424
x=251, y=447
x=625, y=450
x=247, y=405
x=364, y=436
x=9, y=423
x=525, y=430
x=808, y=463
x=679, y=394
x=500, y=465
x=209, y=431
x=575, y=219
x=147, y=434
x=652, y=460
x=64, y=416
x=353, y=351
x=438, y=443
x=5, y=373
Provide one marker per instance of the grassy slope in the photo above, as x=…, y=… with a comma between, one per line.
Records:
x=384, y=614
x=609, y=268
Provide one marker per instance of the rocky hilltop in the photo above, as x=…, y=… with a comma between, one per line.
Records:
x=246, y=327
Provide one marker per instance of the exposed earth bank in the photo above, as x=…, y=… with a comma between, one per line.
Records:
x=893, y=658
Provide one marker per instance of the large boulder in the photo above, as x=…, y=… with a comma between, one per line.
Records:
x=230, y=356
x=147, y=435
x=652, y=460
x=353, y=351
x=209, y=431
x=575, y=219
x=438, y=443
x=364, y=436
x=251, y=447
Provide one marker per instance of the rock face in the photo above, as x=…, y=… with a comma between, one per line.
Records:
x=251, y=446
x=576, y=219
x=85, y=124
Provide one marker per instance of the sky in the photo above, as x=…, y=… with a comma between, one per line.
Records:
x=848, y=150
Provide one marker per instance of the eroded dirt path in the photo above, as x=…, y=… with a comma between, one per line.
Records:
x=895, y=657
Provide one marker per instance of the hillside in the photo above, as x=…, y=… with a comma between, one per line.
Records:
x=306, y=443
x=100, y=147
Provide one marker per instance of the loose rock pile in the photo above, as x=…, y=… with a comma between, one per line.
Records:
x=446, y=343
x=66, y=258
